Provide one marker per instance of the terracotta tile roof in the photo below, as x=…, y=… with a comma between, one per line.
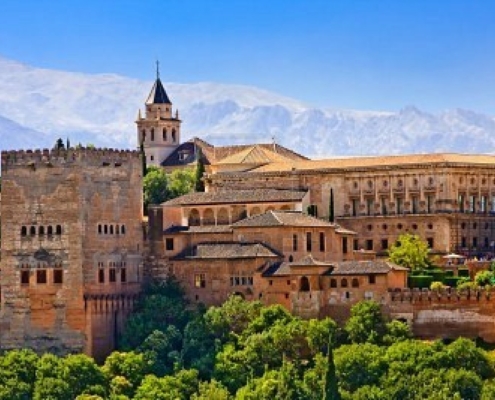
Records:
x=213, y=154
x=381, y=161
x=335, y=268
x=256, y=155
x=227, y=251
x=172, y=229
x=364, y=267
x=286, y=218
x=237, y=196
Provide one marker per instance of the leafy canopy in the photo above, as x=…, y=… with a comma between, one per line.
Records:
x=409, y=251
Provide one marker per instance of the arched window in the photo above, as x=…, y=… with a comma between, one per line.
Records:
x=59, y=229
x=291, y=259
x=173, y=135
x=152, y=134
x=105, y=229
x=99, y=229
x=111, y=229
x=164, y=133
x=255, y=211
x=208, y=217
x=343, y=283
x=117, y=229
x=122, y=229
x=33, y=231
x=194, y=219
x=222, y=217
x=50, y=230
x=355, y=282
x=143, y=135
x=333, y=283
x=41, y=230
x=304, y=285
x=23, y=231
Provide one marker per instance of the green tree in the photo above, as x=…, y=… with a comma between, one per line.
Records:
x=409, y=251
x=366, y=323
x=155, y=186
x=199, y=185
x=180, y=182
x=331, y=384
x=132, y=366
x=180, y=386
x=331, y=207
x=484, y=278
x=212, y=390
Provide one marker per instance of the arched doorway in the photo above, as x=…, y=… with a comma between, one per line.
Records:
x=304, y=284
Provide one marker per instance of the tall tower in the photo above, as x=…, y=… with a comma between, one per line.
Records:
x=159, y=130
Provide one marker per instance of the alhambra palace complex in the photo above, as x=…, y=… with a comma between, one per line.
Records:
x=76, y=249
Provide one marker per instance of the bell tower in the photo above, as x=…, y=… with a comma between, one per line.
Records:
x=159, y=130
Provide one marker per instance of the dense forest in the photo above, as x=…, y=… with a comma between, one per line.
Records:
x=246, y=351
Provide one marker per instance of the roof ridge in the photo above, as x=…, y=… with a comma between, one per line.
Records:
x=276, y=217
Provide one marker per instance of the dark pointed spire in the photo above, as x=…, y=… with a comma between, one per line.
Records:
x=158, y=95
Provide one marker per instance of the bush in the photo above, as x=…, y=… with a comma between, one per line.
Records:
x=436, y=285
x=453, y=281
x=420, y=281
x=449, y=273
x=437, y=274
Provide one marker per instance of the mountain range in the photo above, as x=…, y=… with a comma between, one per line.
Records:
x=37, y=106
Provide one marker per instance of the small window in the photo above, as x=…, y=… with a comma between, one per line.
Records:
x=430, y=242
x=117, y=229
x=344, y=245
x=164, y=134
x=288, y=282
x=308, y=241
x=111, y=229
x=291, y=258
x=152, y=134
x=112, y=275
x=41, y=230
x=23, y=231
x=122, y=229
x=371, y=279
x=369, y=244
x=384, y=244
x=322, y=241
x=355, y=244
x=169, y=244
x=58, y=276
x=33, y=231
x=343, y=283
x=123, y=275
x=173, y=136
x=25, y=277
x=59, y=229
x=101, y=275
x=50, y=230
x=200, y=280
x=41, y=276
x=105, y=229
x=355, y=283
x=333, y=283
x=294, y=242
x=270, y=282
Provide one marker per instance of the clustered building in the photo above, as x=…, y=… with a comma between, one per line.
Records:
x=272, y=226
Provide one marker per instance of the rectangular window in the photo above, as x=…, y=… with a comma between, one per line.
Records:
x=294, y=242
x=25, y=277
x=483, y=204
x=41, y=276
x=112, y=275
x=472, y=203
x=369, y=244
x=398, y=205
x=415, y=204
x=200, y=280
x=463, y=242
x=384, y=206
x=308, y=241
x=322, y=241
x=58, y=276
x=355, y=244
x=370, y=205
x=384, y=244
x=101, y=275
x=169, y=244
x=430, y=242
x=355, y=205
x=371, y=279
x=475, y=242
x=429, y=204
x=460, y=200
x=344, y=245
x=123, y=275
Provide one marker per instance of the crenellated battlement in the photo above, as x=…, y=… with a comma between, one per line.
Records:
x=441, y=296
x=83, y=156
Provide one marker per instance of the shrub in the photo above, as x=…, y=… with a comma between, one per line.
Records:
x=420, y=281
x=463, y=272
x=436, y=286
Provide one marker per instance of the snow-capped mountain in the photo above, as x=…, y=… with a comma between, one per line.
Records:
x=38, y=105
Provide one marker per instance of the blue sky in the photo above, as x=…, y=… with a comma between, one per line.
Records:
x=369, y=54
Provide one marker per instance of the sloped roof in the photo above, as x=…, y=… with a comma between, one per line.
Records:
x=214, y=154
x=237, y=196
x=158, y=95
x=284, y=218
x=379, y=161
x=231, y=250
x=364, y=267
x=254, y=155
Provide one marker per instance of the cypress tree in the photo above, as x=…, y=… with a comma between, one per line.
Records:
x=199, y=185
x=331, y=385
x=331, y=211
x=143, y=158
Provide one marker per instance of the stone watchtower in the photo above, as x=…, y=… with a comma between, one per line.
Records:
x=159, y=131
x=71, y=248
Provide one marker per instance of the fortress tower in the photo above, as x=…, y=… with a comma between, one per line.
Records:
x=71, y=248
x=159, y=131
